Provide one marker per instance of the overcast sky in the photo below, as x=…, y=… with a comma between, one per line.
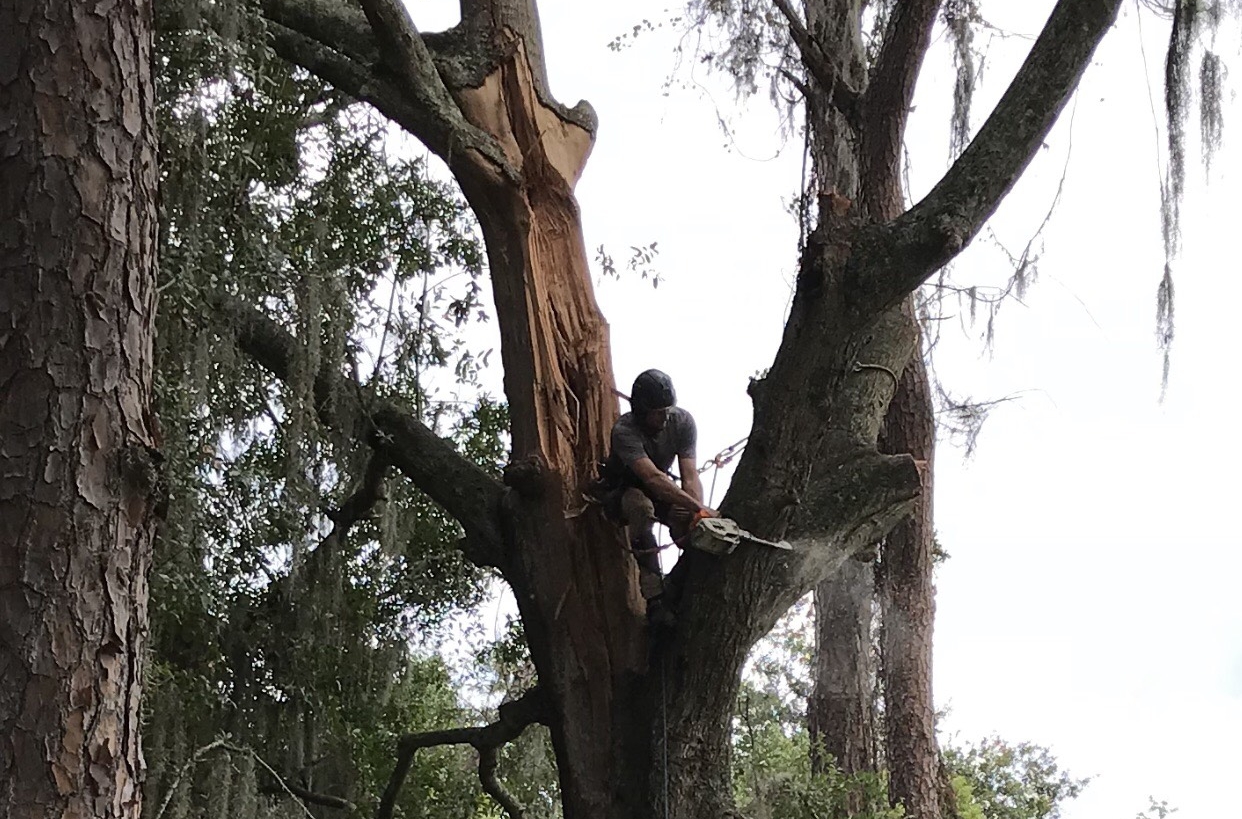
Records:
x=1090, y=603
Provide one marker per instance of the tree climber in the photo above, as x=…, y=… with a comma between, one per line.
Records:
x=637, y=488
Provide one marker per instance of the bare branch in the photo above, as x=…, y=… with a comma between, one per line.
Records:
x=322, y=799
x=840, y=94
x=463, y=489
x=513, y=719
x=489, y=760
x=890, y=261
x=189, y=765
x=301, y=794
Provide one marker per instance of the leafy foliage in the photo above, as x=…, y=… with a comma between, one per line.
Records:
x=1001, y=780
x=275, y=620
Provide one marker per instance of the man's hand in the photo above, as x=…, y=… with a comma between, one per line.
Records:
x=704, y=512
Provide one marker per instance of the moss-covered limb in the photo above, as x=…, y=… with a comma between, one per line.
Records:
x=462, y=488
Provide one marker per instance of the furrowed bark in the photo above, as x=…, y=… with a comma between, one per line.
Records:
x=907, y=601
x=464, y=490
x=78, y=488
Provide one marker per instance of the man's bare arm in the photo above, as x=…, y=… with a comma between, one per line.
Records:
x=690, y=478
x=662, y=488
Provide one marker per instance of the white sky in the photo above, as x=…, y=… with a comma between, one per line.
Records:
x=1090, y=601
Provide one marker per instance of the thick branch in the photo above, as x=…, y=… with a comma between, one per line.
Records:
x=339, y=26
x=872, y=490
x=840, y=94
x=365, y=497
x=464, y=490
x=462, y=60
x=513, y=718
x=489, y=761
x=418, y=101
x=890, y=261
x=403, y=50
x=886, y=104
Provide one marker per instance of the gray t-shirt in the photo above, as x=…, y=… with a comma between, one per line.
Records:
x=630, y=443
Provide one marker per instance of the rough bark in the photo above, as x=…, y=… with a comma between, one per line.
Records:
x=908, y=429
x=908, y=611
x=840, y=710
x=77, y=245
x=477, y=95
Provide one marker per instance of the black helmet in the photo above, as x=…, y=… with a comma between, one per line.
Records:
x=652, y=390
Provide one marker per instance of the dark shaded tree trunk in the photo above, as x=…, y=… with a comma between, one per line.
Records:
x=77, y=298
x=840, y=710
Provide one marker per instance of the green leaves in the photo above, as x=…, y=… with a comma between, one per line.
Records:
x=1002, y=780
x=272, y=617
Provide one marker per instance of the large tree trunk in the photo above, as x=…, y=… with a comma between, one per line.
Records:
x=908, y=612
x=77, y=244
x=840, y=712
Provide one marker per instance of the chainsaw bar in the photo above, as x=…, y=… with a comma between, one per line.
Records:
x=720, y=536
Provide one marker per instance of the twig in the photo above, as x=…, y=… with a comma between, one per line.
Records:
x=280, y=780
x=185, y=768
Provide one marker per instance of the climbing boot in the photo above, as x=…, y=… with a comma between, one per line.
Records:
x=659, y=613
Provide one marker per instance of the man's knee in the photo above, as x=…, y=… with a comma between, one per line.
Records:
x=636, y=508
x=650, y=583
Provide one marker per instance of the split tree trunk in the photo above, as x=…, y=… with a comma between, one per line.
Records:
x=572, y=576
x=77, y=245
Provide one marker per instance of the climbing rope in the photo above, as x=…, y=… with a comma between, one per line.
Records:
x=664, y=728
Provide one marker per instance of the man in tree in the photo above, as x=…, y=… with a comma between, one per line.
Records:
x=640, y=490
